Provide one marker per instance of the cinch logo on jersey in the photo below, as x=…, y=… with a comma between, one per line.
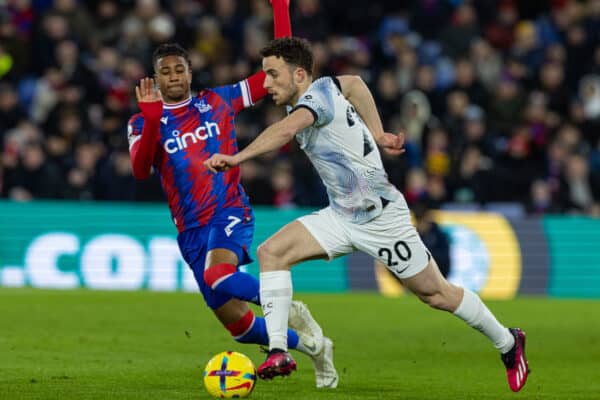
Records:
x=181, y=141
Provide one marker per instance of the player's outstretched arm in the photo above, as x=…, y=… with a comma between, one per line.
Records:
x=272, y=138
x=281, y=18
x=282, y=27
x=358, y=94
x=143, y=150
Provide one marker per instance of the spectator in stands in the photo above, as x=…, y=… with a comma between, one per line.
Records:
x=506, y=105
x=427, y=84
x=388, y=94
x=282, y=182
x=415, y=114
x=310, y=20
x=434, y=238
x=472, y=182
x=256, y=183
x=519, y=82
x=487, y=63
x=463, y=28
x=416, y=186
x=541, y=201
x=475, y=133
x=437, y=157
x=114, y=179
x=582, y=186
x=11, y=112
x=81, y=176
x=34, y=177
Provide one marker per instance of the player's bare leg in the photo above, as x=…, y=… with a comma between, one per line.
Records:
x=290, y=245
x=232, y=311
x=433, y=289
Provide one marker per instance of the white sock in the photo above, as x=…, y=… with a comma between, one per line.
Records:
x=276, y=298
x=477, y=315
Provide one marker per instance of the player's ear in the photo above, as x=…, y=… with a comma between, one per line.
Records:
x=299, y=76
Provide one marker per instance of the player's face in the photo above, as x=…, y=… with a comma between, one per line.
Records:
x=280, y=80
x=174, y=78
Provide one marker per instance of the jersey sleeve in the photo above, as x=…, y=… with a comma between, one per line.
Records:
x=318, y=99
x=134, y=129
x=238, y=96
x=142, y=137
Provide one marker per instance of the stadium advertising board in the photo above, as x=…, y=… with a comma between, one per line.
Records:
x=118, y=247
x=574, y=248
x=128, y=246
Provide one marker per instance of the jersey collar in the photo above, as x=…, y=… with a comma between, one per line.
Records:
x=171, y=106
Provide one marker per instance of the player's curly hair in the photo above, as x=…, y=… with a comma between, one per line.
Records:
x=293, y=50
x=170, y=49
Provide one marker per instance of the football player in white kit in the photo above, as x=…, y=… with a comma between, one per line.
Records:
x=336, y=122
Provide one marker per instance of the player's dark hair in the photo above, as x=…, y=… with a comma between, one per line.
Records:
x=293, y=50
x=170, y=49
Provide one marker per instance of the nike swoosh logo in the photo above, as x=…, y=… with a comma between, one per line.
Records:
x=267, y=313
x=402, y=270
x=312, y=348
x=331, y=382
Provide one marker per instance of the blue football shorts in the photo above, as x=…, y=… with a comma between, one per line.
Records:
x=231, y=229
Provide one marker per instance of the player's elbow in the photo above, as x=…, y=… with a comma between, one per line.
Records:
x=140, y=172
x=140, y=176
x=356, y=80
x=140, y=164
x=351, y=84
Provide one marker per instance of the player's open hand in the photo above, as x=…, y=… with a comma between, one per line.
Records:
x=149, y=99
x=220, y=162
x=392, y=144
x=146, y=92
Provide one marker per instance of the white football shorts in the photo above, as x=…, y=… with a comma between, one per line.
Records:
x=390, y=237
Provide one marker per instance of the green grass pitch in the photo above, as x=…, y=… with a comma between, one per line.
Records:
x=141, y=345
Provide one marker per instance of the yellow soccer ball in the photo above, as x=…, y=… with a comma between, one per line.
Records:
x=229, y=375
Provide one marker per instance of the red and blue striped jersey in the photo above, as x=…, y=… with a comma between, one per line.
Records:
x=190, y=132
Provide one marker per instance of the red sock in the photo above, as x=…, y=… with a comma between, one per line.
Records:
x=242, y=326
x=218, y=273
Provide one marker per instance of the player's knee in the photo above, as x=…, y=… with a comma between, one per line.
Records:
x=216, y=274
x=268, y=255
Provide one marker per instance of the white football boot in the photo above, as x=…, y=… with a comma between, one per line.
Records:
x=301, y=320
x=325, y=373
x=320, y=347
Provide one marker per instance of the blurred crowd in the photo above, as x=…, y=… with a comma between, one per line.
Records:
x=499, y=99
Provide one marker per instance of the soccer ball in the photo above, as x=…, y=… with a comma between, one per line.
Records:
x=229, y=375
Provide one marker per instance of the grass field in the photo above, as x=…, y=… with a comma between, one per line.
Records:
x=101, y=345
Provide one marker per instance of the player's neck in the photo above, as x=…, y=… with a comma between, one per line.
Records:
x=173, y=103
x=302, y=88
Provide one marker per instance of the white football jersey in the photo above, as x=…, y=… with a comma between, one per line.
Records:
x=344, y=153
